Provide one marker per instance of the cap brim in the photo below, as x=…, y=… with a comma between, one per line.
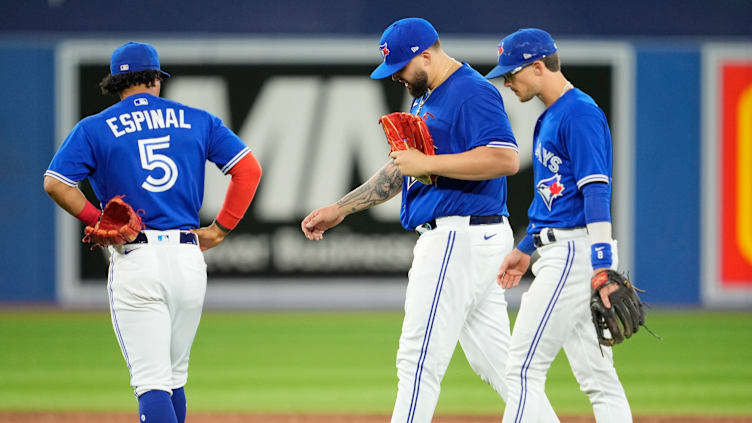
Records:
x=499, y=71
x=165, y=74
x=384, y=70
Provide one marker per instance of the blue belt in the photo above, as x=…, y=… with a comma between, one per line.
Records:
x=474, y=220
x=185, y=238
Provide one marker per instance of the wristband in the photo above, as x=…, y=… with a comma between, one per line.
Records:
x=598, y=281
x=89, y=214
x=527, y=245
x=601, y=255
x=221, y=226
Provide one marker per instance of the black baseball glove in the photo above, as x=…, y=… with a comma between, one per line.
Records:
x=626, y=314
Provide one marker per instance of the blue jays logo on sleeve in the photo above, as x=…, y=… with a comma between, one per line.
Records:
x=384, y=51
x=550, y=189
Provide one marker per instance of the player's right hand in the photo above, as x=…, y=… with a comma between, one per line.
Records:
x=318, y=221
x=512, y=269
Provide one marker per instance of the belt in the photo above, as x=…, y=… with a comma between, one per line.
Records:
x=185, y=238
x=550, y=235
x=473, y=221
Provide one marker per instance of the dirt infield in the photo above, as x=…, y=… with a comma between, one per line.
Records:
x=317, y=418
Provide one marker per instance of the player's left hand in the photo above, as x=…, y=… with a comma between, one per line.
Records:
x=209, y=236
x=606, y=290
x=413, y=163
x=512, y=269
x=118, y=224
x=319, y=221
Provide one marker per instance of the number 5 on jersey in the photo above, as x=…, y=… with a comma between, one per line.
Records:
x=151, y=160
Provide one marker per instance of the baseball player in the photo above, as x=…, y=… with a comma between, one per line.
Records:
x=153, y=151
x=569, y=226
x=461, y=218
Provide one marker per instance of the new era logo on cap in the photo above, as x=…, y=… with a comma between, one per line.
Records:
x=414, y=48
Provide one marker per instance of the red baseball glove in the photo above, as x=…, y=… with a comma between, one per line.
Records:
x=406, y=131
x=119, y=224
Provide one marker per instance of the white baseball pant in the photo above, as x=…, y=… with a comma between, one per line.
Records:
x=452, y=295
x=555, y=313
x=156, y=293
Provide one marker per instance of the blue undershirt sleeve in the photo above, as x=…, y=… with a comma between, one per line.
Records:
x=597, y=202
x=527, y=245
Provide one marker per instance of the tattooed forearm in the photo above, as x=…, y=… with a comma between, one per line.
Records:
x=382, y=186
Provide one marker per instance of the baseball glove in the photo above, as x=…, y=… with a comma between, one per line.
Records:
x=626, y=314
x=119, y=224
x=406, y=131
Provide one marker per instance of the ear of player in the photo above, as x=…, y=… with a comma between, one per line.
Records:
x=406, y=131
x=119, y=224
x=626, y=314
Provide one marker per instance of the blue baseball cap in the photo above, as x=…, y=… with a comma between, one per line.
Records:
x=134, y=57
x=402, y=41
x=522, y=48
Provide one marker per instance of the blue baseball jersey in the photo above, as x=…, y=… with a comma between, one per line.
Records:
x=571, y=148
x=151, y=150
x=462, y=113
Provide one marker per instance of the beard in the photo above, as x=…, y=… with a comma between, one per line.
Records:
x=418, y=87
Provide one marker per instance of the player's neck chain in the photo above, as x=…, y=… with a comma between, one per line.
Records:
x=566, y=88
x=430, y=91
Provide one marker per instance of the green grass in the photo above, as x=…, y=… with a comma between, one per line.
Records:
x=344, y=362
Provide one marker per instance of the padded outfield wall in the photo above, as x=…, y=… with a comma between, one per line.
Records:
x=678, y=111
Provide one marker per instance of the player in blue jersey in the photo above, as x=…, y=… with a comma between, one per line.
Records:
x=570, y=226
x=461, y=218
x=154, y=151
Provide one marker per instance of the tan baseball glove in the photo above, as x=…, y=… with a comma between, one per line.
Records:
x=118, y=225
x=406, y=131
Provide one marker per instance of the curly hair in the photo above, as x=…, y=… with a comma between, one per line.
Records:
x=115, y=84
